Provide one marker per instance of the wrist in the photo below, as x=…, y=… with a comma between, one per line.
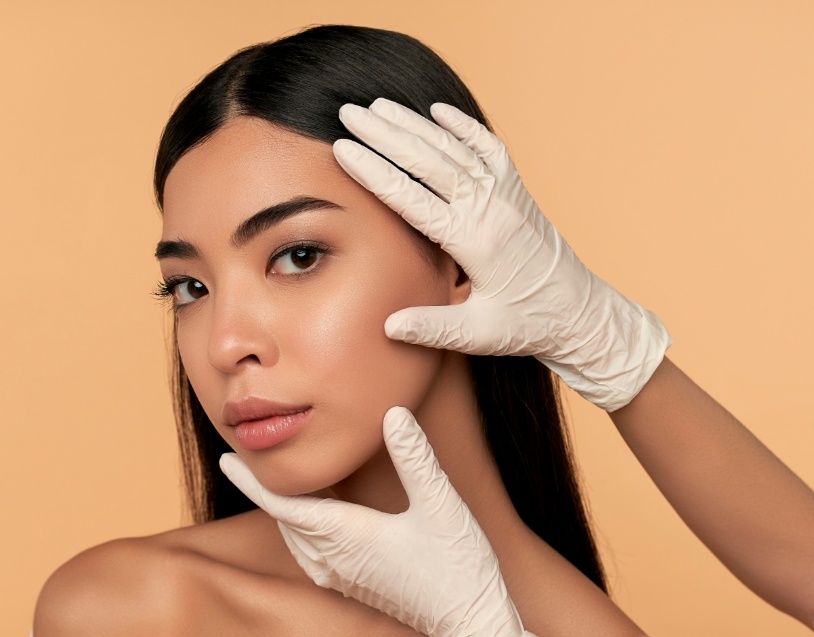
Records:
x=618, y=353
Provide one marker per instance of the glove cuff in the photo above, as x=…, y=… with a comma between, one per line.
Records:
x=631, y=346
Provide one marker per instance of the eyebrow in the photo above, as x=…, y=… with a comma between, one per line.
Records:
x=250, y=228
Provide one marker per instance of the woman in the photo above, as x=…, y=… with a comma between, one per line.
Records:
x=282, y=272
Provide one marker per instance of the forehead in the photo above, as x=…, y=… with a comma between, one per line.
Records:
x=243, y=167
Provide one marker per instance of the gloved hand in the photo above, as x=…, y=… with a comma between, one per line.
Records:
x=430, y=567
x=531, y=295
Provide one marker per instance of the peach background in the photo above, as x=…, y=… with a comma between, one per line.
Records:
x=672, y=143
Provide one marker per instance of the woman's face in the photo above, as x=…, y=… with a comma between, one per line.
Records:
x=284, y=311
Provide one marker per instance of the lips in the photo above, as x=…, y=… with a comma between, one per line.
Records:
x=261, y=424
x=252, y=408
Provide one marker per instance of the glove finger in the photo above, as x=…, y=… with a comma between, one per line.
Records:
x=417, y=205
x=431, y=133
x=434, y=168
x=421, y=475
x=296, y=511
x=475, y=135
x=438, y=326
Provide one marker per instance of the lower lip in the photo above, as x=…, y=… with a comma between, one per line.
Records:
x=254, y=435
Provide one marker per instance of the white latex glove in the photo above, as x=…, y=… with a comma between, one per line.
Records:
x=430, y=567
x=531, y=295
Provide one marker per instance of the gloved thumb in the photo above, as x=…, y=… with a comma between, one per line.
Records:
x=415, y=462
x=294, y=511
x=438, y=326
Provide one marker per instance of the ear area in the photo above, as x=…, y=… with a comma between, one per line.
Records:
x=459, y=284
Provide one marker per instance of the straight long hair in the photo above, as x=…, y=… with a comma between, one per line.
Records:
x=299, y=83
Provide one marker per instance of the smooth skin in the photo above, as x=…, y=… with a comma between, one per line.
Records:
x=317, y=339
x=741, y=501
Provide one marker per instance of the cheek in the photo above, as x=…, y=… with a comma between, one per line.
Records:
x=349, y=354
x=353, y=372
x=192, y=336
x=193, y=356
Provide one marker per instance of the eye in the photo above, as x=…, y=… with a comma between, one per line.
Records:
x=188, y=291
x=296, y=259
x=182, y=290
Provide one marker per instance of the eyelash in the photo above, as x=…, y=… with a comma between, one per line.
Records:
x=165, y=290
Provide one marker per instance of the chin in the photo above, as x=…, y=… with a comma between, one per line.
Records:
x=306, y=477
x=337, y=445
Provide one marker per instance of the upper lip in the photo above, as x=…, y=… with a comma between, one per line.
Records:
x=253, y=408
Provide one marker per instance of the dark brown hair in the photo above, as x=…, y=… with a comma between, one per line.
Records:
x=299, y=83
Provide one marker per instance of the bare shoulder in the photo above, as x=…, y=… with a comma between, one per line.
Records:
x=232, y=576
x=123, y=587
x=158, y=585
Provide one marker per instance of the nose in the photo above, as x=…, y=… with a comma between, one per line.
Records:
x=241, y=332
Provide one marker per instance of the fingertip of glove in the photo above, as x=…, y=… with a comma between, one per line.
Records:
x=396, y=412
x=381, y=104
x=347, y=150
x=444, y=112
x=404, y=325
x=395, y=327
x=394, y=420
x=227, y=462
x=439, y=108
x=351, y=110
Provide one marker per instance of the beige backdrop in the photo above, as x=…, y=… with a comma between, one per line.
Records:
x=672, y=143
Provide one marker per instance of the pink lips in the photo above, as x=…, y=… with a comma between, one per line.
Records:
x=262, y=424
